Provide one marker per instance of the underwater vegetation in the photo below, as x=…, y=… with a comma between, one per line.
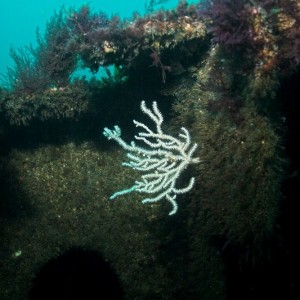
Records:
x=226, y=71
x=48, y=65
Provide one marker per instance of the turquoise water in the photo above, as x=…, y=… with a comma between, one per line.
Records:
x=20, y=19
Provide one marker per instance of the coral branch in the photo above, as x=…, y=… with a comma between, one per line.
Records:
x=163, y=161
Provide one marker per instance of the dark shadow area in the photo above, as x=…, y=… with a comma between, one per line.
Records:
x=114, y=105
x=273, y=275
x=13, y=202
x=76, y=274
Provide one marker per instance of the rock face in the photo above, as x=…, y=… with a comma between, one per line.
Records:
x=228, y=72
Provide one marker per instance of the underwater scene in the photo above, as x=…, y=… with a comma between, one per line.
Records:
x=149, y=149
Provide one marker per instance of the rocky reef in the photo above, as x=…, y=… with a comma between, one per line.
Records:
x=226, y=70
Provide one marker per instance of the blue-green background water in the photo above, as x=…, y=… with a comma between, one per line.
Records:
x=20, y=19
